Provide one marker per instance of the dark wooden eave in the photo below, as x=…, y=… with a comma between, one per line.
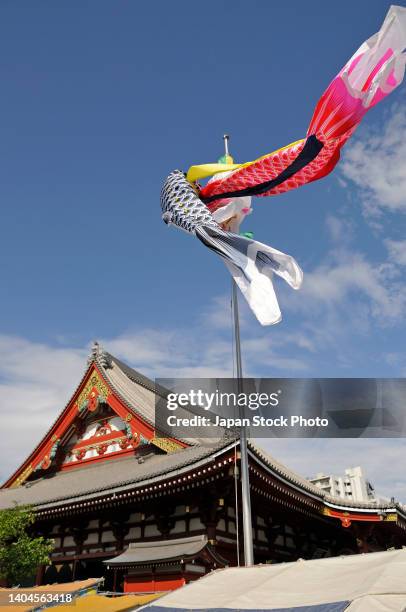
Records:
x=178, y=550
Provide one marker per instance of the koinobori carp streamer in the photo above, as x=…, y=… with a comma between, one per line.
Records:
x=373, y=72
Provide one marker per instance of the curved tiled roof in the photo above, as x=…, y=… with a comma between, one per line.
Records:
x=121, y=474
x=138, y=393
x=281, y=471
x=162, y=550
x=116, y=474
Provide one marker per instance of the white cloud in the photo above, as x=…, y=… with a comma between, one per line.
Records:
x=266, y=350
x=348, y=293
x=176, y=353
x=36, y=382
x=341, y=230
x=396, y=360
x=397, y=251
x=376, y=163
x=217, y=315
x=350, y=280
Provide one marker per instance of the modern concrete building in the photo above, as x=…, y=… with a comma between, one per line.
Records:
x=352, y=486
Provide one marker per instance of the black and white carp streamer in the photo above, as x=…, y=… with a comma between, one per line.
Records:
x=251, y=263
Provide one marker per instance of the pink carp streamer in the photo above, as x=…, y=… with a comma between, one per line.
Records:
x=375, y=70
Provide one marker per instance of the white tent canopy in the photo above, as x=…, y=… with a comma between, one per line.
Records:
x=356, y=583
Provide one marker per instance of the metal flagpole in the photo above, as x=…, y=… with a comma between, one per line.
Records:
x=245, y=477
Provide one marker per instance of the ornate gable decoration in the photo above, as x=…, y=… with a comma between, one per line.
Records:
x=96, y=425
x=94, y=392
x=105, y=435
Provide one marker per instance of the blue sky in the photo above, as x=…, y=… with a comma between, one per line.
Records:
x=100, y=100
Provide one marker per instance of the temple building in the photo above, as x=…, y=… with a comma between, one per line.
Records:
x=150, y=513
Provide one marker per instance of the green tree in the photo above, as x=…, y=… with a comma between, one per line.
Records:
x=20, y=551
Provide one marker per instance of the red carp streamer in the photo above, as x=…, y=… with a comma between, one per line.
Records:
x=375, y=70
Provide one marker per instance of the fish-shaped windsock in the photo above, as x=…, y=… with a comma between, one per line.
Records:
x=372, y=73
x=251, y=263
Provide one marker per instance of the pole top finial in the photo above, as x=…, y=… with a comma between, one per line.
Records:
x=226, y=138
